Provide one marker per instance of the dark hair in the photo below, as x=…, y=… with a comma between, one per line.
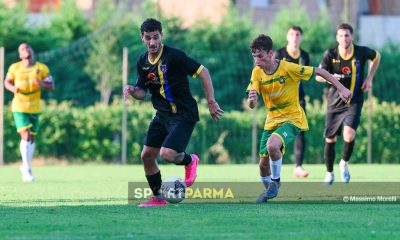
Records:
x=151, y=25
x=262, y=42
x=297, y=28
x=345, y=26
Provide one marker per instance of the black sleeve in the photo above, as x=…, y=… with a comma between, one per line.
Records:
x=278, y=55
x=307, y=61
x=186, y=63
x=370, y=53
x=141, y=77
x=326, y=62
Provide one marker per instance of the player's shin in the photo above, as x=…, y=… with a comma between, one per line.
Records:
x=155, y=182
x=347, y=150
x=329, y=156
x=24, y=148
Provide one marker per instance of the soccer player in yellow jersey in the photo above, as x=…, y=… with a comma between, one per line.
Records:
x=25, y=79
x=278, y=83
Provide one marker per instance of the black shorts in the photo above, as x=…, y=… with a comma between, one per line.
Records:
x=337, y=118
x=169, y=131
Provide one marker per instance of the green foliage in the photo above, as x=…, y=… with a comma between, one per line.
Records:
x=94, y=133
x=318, y=36
x=69, y=24
x=385, y=84
x=224, y=50
x=12, y=26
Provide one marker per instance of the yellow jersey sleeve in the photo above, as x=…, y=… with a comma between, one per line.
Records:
x=254, y=80
x=11, y=72
x=43, y=72
x=298, y=72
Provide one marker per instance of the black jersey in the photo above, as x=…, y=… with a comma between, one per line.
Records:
x=166, y=79
x=350, y=72
x=303, y=59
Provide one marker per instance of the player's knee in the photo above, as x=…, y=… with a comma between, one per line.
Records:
x=330, y=140
x=273, y=147
x=146, y=157
x=349, y=137
x=25, y=135
x=168, y=155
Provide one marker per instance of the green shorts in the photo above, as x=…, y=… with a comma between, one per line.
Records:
x=287, y=133
x=26, y=120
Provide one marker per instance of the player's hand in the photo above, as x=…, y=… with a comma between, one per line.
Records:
x=252, y=96
x=128, y=90
x=47, y=83
x=16, y=90
x=345, y=94
x=215, y=111
x=367, y=85
x=36, y=82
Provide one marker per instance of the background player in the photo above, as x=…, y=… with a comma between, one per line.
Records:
x=293, y=53
x=25, y=79
x=347, y=63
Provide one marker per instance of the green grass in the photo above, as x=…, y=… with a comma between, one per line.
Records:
x=91, y=202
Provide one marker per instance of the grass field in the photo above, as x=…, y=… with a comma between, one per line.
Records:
x=91, y=202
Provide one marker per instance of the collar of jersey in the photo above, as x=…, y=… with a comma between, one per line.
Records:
x=294, y=57
x=351, y=54
x=158, y=56
x=276, y=69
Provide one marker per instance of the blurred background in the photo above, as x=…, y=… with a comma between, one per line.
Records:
x=82, y=42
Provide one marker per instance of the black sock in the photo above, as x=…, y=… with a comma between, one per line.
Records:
x=299, y=145
x=276, y=180
x=347, y=150
x=155, y=182
x=329, y=156
x=186, y=160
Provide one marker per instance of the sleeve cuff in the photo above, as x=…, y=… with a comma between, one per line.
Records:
x=198, y=71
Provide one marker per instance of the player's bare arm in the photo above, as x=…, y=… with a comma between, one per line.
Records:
x=9, y=85
x=252, y=99
x=215, y=111
x=321, y=79
x=133, y=91
x=345, y=93
x=373, y=66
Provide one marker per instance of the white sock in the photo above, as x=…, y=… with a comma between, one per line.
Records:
x=266, y=181
x=31, y=149
x=276, y=168
x=24, y=148
x=343, y=165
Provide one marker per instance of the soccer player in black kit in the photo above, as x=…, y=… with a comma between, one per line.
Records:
x=163, y=71
x=346, y=62
x=293, y=53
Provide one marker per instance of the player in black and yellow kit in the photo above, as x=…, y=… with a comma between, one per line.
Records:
x=293, y=53
x=163, y=71
x=346, y=62
x=278, y=83
x=25, y=79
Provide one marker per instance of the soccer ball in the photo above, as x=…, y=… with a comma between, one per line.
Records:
x=173, y=190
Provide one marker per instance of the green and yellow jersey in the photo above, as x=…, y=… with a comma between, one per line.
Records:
x=280, y=93
x=27, y=100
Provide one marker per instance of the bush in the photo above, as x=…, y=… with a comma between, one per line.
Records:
x=94, y=134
